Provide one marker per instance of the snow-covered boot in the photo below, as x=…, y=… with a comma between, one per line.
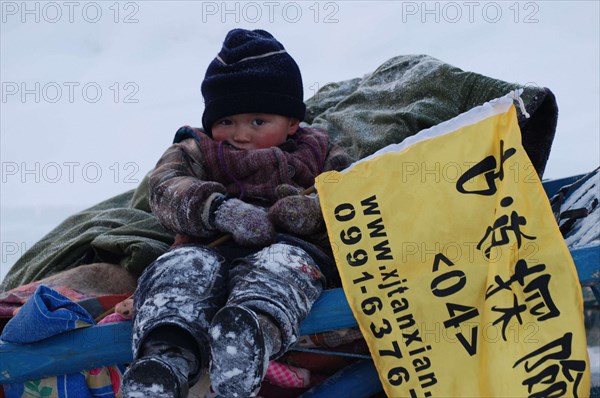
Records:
x=272, y=291
x=157, y=376
x=240, y=352
x=169, y=356
x=181, y=290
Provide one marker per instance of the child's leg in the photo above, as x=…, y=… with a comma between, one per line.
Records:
x=271, y=292
x=176, y=298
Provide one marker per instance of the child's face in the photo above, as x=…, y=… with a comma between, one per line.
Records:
x=254, y=130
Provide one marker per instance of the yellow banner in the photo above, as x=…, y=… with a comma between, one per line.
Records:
x=454, y=266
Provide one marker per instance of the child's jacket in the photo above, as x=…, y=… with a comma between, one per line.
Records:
x=196, y=166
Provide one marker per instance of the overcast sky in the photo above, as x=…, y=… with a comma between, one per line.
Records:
x=92, y=92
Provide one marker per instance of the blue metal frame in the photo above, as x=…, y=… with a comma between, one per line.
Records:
x=109, y=344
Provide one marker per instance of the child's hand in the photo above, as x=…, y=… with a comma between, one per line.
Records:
x=297, y=214
x=249, y=225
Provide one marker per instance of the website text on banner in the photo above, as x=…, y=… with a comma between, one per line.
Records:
x=460, y=281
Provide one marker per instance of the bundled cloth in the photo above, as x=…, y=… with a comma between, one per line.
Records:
x=409, y=93
x=45, y=314
x=48, y=313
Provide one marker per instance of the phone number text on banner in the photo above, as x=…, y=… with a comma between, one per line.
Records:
x=462, y=286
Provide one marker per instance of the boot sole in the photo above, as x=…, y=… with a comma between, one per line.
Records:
x=238, y=362
x=151, y=378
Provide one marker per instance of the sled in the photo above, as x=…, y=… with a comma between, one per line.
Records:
x=108, y=344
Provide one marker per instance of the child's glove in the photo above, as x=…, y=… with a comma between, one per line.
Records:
x=295, y=213
x=249, y=225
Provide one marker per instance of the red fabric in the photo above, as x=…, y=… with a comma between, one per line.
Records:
x=287, y=376
x=110, y=301
x=114, y=317
x=326, y=364
x=296, y=371
x=11, y=301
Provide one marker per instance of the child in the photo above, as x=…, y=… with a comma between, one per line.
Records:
x=235, y=307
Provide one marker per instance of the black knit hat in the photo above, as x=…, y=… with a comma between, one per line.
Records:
x=253, y=73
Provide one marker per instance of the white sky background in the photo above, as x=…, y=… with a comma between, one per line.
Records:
x=72, y=148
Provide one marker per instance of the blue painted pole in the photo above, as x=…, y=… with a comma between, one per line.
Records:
x=110, y=344
x=66, y=353
x=359, y=380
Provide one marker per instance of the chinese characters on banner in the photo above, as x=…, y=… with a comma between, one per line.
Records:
x=454, y=266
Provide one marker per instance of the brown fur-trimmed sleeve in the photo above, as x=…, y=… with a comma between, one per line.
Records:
x=179, y=190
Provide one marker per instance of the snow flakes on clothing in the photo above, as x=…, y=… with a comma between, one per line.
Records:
x=585, y=230
x=281, y=281
x=248, y=224
x=188, y=285
x=142, y=391
x=183, y=287
x=239, y=356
